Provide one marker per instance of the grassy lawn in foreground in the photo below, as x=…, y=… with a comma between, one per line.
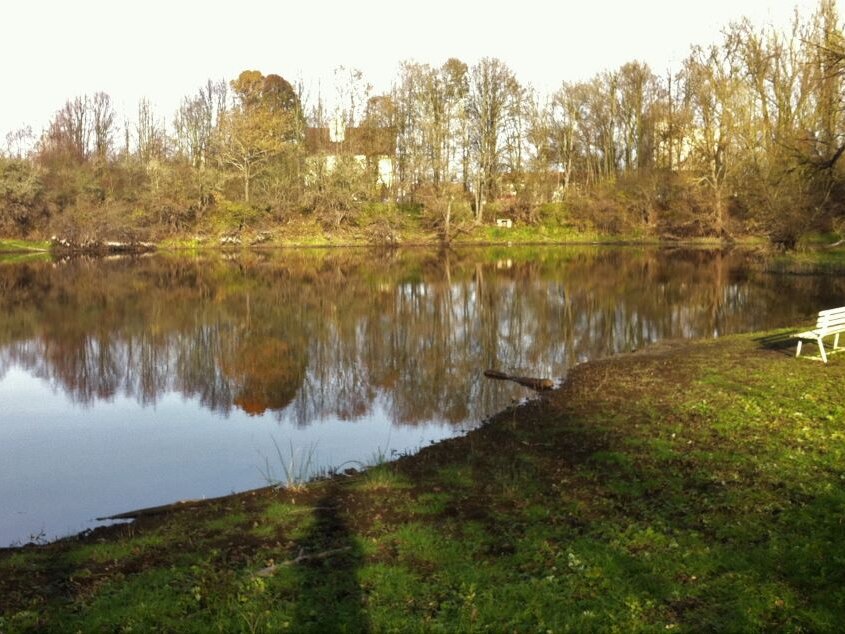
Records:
x=686, y=487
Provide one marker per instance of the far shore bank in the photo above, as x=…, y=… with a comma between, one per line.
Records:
x=812, y=257
x=228, y=243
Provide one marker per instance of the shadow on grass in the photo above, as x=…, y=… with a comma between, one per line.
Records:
x=330, y=598
x=608, y=498
x=783, y=342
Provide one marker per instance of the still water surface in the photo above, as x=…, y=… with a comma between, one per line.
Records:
x=134, y=382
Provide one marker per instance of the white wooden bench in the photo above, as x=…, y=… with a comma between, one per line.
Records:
x=830, y=322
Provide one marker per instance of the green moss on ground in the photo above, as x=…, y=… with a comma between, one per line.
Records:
x=689, y=486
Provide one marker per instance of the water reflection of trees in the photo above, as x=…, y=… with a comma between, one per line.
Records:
x=306, y=335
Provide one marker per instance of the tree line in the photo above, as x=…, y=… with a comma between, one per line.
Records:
x=746, y=137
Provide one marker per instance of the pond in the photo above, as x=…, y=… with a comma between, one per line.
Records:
x=134, y=382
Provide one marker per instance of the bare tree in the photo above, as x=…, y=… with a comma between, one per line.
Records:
x=196, y=120
x=714, y=96
x=102, y=123
x=637, y=94
x=151, y=134
x=564, y=117
x=69, y=132
x=353, y=93
x=493, y=91
x=19, y=142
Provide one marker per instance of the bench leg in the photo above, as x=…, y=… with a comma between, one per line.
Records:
x=798, y=350
x=821, y=350
x=836, y=341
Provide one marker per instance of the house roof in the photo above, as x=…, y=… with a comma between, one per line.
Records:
x=366, y=141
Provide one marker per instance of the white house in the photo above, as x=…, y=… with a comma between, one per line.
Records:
x=372, y=148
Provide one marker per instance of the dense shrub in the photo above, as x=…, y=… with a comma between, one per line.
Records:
x=22, y=203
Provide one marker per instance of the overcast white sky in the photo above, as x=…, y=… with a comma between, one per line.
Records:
x=165, y=49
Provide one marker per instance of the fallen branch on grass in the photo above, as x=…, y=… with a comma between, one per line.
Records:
x=302, y=556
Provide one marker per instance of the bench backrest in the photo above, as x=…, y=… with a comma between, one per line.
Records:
x=831, y=319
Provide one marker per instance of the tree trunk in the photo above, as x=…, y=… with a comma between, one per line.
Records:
x=479, y=201
x=568, y=172
x=447, y=221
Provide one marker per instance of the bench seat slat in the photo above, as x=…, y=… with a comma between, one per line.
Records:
x=832, y=311
x=832, y=323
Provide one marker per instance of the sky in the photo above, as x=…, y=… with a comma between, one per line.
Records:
x=166, y=49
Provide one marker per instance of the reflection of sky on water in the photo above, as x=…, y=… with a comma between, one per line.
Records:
x=138, y=456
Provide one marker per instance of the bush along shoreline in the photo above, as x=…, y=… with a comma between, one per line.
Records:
x=687, y=486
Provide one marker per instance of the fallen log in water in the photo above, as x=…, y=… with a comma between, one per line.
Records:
x=535, y=384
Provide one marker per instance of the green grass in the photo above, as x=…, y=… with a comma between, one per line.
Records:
x=18, y=251
x=290, y=467
x=227, y=523
x=381, y=477
x=702, y=487
x=368, y=230
x=527, y=233
x=809, y=260
x=18, y=246
x=105, y=552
